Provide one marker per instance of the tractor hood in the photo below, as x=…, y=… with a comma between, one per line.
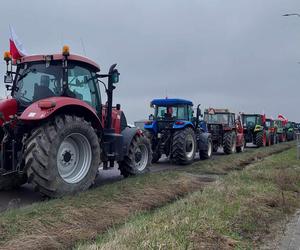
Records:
x=8, y=107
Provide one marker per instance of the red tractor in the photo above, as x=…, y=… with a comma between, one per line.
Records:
x=55, y=132
x=226, y=131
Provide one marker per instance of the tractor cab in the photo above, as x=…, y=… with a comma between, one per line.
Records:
x=269, y=123
x=219, y=117
x=253, y=121
x=170, y=114
x=39, y=77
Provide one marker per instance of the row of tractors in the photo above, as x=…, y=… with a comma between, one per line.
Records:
x=55, y=132
x=175, y=132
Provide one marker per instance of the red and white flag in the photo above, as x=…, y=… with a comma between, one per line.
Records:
x=17, y=50
x=282, y=118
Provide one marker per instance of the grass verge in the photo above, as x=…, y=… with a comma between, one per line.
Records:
x=62, y=222
x=235, y=212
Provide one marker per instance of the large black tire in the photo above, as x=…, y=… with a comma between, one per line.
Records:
x=184, y=146
x=206, y=154
x=139, y=157
x=229, y=142
x=260, y=139
x=47, y=158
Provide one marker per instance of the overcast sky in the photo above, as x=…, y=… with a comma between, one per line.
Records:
x=240, y=54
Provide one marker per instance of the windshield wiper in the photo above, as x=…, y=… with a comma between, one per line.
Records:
x=25, y=74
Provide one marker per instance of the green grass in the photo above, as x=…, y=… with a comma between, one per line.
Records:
x=234, y=213
x=62, y=222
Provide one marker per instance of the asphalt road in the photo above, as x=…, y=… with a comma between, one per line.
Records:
x=25, y=195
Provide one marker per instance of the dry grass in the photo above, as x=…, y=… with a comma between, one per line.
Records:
x=75, y=220
x=236, y=212
x=62, y=222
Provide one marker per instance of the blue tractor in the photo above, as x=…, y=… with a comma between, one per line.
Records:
x=175, y=132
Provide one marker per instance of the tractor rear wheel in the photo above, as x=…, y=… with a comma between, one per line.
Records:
x=139, y=157
x=62, y=157
x=229, y=142
x=261, y=139
x=184, y=146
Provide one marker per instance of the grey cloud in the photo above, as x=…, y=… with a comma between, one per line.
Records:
x=240, y=54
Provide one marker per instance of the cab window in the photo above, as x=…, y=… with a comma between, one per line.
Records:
x=82, y=84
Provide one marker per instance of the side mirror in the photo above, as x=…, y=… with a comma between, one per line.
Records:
x=8, y=78
x=113, y=74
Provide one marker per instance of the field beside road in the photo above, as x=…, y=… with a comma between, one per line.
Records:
x=203, y=203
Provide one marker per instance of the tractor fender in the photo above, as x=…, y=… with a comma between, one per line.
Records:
x=151, y=126
x=203, y=140
x=182, y=124
x=47, y=108
x=128, y=134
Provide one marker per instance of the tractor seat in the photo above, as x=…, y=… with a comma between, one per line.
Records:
x=42, y=91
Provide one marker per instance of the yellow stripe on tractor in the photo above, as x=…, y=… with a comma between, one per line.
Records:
x=258, y=128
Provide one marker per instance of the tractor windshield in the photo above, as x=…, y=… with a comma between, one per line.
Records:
x=217, y=118
x=289, y=125
x=251, y=120
x=173, y=112
x=269, y=123
x=35, y=81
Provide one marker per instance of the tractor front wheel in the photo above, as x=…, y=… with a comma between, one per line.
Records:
x=62, y=157
x=184, y=146
x=261, y=139
x=139, y=157
x=207, y=153
x=229, y=142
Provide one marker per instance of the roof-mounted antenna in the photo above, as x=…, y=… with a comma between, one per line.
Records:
x=82, y=45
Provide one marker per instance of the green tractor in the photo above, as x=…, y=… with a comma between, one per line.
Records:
x=255, y=130
x=290, y=128
x=281, y=130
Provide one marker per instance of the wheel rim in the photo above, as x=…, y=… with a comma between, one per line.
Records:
x=190, y=146
x=141, y=157
x=74, y=158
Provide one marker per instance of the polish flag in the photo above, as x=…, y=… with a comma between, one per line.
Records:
x=282, y=118
x=17, y=50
